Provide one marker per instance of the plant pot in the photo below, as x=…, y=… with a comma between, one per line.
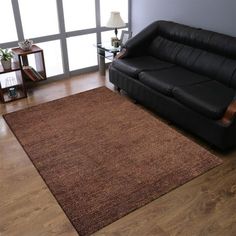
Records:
x=6, y=64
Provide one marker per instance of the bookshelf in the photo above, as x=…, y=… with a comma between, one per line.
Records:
x=12, y=86
x=13, y=81
x=35, y=74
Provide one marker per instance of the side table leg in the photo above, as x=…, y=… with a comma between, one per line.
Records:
x=101, y=62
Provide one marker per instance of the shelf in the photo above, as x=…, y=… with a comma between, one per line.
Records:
x=20, y=95
x=32, y=74
x=10, y=82
x=12, y=79
x=14, y=67
x=22, y=72
x=21, y=52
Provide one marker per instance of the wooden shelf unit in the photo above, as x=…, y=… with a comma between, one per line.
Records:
x=33, y=74
x=22, y=72
x=16, y=82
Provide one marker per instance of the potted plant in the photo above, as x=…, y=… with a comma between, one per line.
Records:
x=6, y=57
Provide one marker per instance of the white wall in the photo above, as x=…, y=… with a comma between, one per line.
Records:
x=216, y=15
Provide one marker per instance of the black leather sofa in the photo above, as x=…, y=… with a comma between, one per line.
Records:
x=185, y=74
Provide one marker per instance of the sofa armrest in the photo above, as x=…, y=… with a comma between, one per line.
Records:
x=138, y=44
x=230, y=113
x=121, y=54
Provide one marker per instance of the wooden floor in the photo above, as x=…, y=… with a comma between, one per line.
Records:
x=204, y=206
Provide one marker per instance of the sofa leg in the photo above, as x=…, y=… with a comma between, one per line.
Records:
x=117, y=88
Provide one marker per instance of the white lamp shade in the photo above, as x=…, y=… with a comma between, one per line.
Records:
x=115, y=20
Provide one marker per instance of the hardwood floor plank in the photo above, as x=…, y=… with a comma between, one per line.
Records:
x=203, y=206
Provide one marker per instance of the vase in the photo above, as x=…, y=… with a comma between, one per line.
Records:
x=6, y=64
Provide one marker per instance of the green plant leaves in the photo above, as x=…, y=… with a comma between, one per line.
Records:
x=5, y=54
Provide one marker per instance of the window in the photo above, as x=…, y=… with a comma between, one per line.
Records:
x=81, y=51
x=79, y=14
x=39, y=18
x=66, y=30
x=8, y=28
x=8, y=79
x=52, y=57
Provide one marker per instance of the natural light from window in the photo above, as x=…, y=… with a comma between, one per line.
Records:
x=53, y=57
x=39, y=18
x=81, y=51
x=66, y=30
x=79, y=14
x=8, y=28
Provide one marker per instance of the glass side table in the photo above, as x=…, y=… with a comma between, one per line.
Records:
x=105, y=51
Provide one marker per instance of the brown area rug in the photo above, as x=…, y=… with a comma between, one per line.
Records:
x=103, y=156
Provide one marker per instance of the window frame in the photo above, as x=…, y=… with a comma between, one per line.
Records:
x=63, y=35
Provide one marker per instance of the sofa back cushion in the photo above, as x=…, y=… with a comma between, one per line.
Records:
x=199, y=38
x=201, y=51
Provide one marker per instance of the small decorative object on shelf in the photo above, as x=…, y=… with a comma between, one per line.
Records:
x=10, y=83
x=125, y=36
x=6, y=57
x=26, y=45
x=116, y=43
x=12, y=92
x=29, y=73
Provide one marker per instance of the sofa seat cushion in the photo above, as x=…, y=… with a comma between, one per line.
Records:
x=208, y=98
x=133, y=66
x=165, y=80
